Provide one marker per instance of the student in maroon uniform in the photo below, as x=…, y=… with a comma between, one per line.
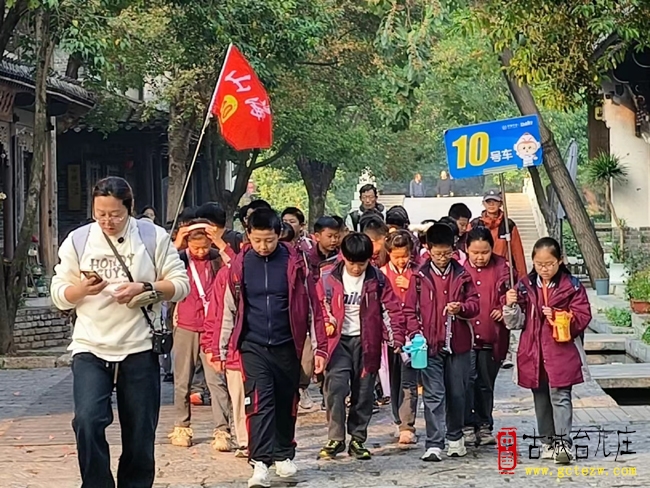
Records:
x=462, y=215
x=266, y=315
x=440, y=300
x=490, y=274
x=361, y=311
x=551, y=308
x=234, y=378
x=296, y=219
x=403, y=378
x=327, y=239
x=374, y=227
x=202, y=263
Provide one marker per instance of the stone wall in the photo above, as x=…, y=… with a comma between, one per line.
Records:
x=635, y=239
x=39, y=327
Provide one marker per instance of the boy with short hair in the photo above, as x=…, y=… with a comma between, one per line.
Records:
x=360, y=310
x=296, y=219
x=441, y=298
x=462, y=215
x=374, y=227
x=327, y=240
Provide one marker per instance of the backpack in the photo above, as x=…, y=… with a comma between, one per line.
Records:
x=147, y=232
x=355, y=217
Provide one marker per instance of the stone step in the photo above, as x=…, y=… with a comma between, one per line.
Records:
x=604, y=342
x=622, y=375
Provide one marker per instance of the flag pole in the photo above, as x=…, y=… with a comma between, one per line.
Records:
x=507, y=226
x=206, y=123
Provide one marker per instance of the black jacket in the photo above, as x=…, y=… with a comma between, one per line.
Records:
x=266, y=292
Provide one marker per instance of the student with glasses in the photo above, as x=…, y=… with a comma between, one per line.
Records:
x=108, y=269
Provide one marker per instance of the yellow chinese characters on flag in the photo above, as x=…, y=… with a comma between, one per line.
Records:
x=242, y=105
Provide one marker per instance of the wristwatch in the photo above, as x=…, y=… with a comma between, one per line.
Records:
x=147, y=287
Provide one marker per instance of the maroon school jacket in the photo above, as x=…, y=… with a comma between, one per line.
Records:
x=491, y=282
x=377, y=297
x=561, y=360
x=302, y=299
x=421, y=305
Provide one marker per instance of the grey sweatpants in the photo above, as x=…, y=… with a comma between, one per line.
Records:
x=554, y=412
x=342, y=379
x=187, y=351
x=444, y=383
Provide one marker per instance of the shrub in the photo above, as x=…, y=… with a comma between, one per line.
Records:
x=638, y=286
x=619, y=317
x=646, y=335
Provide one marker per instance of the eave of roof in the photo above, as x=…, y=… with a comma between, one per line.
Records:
x=58, y=86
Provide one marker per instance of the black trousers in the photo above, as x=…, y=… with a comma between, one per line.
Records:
x=343, y=378
x=479, y=399
x=271, y=377
x=138, y=406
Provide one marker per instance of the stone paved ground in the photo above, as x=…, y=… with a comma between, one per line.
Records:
x=37, y=446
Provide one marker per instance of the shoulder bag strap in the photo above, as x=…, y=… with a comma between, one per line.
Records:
x=125, y=268
x=199, y=286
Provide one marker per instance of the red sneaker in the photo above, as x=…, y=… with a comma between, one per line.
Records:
x=195, y=399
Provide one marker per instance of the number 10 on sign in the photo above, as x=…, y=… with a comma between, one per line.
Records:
x=474, y=149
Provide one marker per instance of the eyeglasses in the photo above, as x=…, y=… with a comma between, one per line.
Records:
x=442, y=255
x=110, y=219
x=546, y=266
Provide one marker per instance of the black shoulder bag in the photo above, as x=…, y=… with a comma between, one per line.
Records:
x=163, y=339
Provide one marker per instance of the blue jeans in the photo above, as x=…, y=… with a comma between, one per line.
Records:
x=137, y=384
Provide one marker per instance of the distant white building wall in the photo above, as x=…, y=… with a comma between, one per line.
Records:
x=631, y=199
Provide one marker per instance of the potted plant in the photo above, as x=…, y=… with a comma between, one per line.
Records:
x=638, y=291
x=602, y=171
x=617, y=271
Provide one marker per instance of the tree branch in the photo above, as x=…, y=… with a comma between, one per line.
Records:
x=601, y=48
x=284, y=149
x=10, y=22
x=334, y=62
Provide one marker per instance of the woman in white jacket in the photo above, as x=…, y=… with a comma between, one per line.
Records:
x=112, y=342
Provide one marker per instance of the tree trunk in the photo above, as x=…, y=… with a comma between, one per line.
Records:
x=617, y=221
x=179, y=135
x=318, y=178
x=560, y=177
x=13, y=285
x=550, y=215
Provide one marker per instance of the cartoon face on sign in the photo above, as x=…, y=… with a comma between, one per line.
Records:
x=526, y=148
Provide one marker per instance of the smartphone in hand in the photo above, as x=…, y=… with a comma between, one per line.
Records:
x=92, y=275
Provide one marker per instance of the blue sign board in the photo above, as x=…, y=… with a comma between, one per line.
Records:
x=493, y=147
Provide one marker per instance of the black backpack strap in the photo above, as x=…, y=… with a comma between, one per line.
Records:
x=356, y=217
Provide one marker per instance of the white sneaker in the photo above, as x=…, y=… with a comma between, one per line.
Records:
x=548, y=451
x=433, y=454
x=286, y=468
x=260, y=478
x=457, y=448
x=563, y=454
x=306, y=401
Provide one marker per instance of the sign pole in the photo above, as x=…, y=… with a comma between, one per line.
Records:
x=502, y=183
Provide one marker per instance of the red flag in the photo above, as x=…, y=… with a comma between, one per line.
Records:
x=242, y=105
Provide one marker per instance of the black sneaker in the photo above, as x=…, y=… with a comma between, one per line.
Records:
x=331, y=449
x=359, y=451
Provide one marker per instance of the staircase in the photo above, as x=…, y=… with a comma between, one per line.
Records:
x=521, y=212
